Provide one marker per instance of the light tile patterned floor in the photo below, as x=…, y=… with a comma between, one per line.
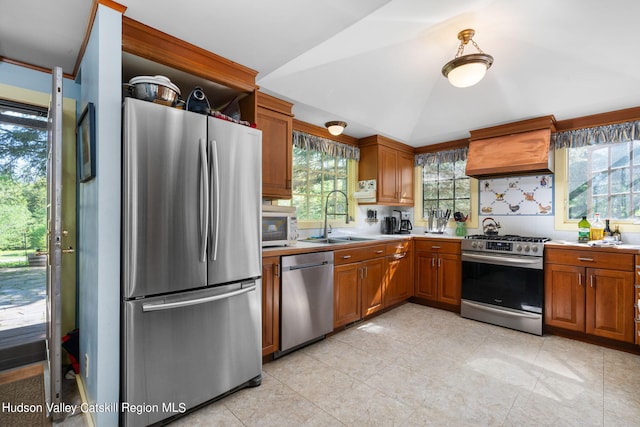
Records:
x=419, y=366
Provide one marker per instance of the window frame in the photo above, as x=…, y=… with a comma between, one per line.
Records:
x=420, y=221
x=352, y=166
x=561, y=196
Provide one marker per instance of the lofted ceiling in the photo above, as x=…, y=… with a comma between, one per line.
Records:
x=376, y=64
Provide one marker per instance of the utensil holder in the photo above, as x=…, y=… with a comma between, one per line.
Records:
x=461, y=228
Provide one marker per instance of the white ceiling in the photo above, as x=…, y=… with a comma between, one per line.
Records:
x=376, y=64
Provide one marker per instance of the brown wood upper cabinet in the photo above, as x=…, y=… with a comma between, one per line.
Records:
x=590, y=291
x=391, y=164
x=275, y=120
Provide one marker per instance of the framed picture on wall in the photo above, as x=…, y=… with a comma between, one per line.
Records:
x=86, y=141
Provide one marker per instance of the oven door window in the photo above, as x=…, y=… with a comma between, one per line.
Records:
x=274, y=228
x=513, y=287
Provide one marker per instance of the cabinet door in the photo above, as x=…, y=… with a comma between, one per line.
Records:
x=346, y=294
x=609, y=302
x=270, y=305
x=449, y=278
x=564, y=296
x=427, y=275
x=399, y=278
x=405, y=178
x=276, y=153
x=387, y=175
x=372, y=273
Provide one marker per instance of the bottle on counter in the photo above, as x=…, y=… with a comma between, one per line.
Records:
x=607, y=234
x=616, y=234
x=583, y=230
x=597, y=228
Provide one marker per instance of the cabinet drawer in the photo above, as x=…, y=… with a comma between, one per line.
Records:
x=345, y=256
x=443, y=246
x=610, y=260
x=399, y=247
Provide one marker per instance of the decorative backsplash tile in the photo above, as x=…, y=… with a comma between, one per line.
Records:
x=517, y=195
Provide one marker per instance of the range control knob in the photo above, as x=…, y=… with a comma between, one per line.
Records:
x=474, y=245
x=527, y=249
x=534, y=249
x=519, y=248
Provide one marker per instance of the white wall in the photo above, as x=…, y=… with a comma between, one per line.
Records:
x=99, y=219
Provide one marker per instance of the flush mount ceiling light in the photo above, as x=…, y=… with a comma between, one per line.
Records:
x=467, y=70
x=335, y=127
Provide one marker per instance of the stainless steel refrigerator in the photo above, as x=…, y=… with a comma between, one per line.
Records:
x=191, y=257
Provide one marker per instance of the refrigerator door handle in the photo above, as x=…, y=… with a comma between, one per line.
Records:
x=215, y=218
x=197, y=301
x=204, y=200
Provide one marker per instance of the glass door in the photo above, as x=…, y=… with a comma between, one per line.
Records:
x=23, y=230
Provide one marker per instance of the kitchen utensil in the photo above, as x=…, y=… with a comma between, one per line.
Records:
x=490, y=226
x=158, y=89
x=198, y=102
x=460, y=217
x=440, y=218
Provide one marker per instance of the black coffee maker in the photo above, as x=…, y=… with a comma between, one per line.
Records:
x=404, y=225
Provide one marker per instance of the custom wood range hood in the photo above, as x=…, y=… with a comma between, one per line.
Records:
x=520, y=148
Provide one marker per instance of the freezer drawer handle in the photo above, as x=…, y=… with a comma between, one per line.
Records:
x=171, y=305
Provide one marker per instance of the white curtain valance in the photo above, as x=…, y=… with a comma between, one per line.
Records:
x=445, y=156
x=333, y=148
x=609, y=134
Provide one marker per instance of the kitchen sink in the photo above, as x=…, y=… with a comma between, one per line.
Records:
x=338, y=240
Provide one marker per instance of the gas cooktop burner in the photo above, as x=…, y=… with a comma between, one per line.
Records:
x=509, y=238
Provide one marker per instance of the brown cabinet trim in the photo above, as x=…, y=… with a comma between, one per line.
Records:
x=149, y=43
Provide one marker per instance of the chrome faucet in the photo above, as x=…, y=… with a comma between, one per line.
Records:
x=326, y=214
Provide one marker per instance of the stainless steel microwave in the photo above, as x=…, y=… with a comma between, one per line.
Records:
x=279, y=225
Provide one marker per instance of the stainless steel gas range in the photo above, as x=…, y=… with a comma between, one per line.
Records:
x=503, y=281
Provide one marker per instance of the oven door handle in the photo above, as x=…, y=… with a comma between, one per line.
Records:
x=503, y=312
x=490, y=259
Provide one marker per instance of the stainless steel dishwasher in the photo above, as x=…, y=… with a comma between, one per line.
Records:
x=306, y=306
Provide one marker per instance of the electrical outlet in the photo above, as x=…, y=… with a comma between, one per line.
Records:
x=86, y=365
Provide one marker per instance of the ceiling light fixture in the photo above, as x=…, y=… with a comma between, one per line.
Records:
x=335, y=127
x=467, y=70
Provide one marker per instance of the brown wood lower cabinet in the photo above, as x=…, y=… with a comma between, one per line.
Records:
x=636, y=301
x=368, y=279
x=346, y=294
x=357, y=290
x=438, y=271
x=595, y=300
x=398, y=279
x=270, y=305
x=372, y=286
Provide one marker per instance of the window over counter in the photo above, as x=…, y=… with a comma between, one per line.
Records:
x=598, y=171
x=445, y=186
x=319, y=167
x=604, y=179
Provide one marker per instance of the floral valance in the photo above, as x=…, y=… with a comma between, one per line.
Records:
x=454, y=155
x=333, y=148
x=609, y=134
